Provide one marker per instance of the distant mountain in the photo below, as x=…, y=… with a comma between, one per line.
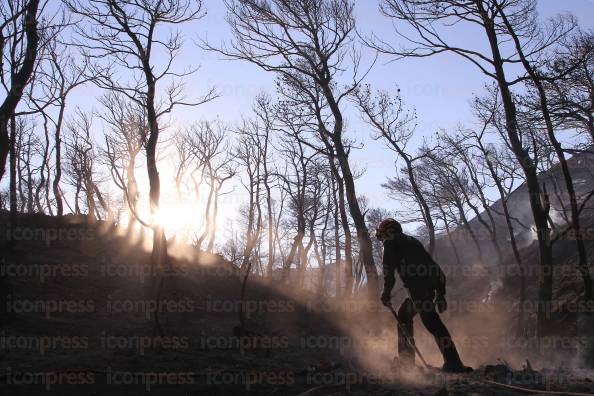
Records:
x=582, y=169
x=499, y=284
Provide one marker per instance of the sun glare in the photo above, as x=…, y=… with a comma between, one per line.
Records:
x=183, y=216
x=177, y=219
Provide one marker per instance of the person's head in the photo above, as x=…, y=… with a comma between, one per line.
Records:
x=388, y=229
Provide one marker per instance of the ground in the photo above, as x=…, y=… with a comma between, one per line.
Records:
x=82, y=322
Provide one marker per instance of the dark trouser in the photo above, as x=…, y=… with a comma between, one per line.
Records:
x=421, y=302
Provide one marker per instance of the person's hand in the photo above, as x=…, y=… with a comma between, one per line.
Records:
x=386, y=299
x=440, y=303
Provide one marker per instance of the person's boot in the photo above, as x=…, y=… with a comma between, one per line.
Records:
x=453, y=363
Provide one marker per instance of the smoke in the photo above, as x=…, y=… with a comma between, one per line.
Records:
x=494, y=287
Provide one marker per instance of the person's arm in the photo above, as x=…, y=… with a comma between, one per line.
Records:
x=441, y=280
x=440, y=301
x=440, y=283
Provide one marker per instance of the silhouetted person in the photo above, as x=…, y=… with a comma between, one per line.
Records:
x=426, y=287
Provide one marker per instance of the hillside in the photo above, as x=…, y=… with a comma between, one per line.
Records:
x=582, y=170
x=82, y=318
x=499, y=284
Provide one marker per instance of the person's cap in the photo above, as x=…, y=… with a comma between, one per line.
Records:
x=387, y=229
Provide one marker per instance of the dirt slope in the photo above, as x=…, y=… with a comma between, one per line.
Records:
x=83, y=323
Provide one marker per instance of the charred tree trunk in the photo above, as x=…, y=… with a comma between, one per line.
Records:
x=77, y=197
x=575, y=215
x=365, y=246
x=346, y=229
x=537, y=197
x=58, y=159
x=159, y=253
x=213, y=227
x=207, y=215
x=13, y=173
x=132, y=194
x=337, y=149
x=20, y=179
x=104, y=204
x=43, y=170
x=512, y=237
x=19, y=80
x=250, y=239
x=91, y=206
x=159, y=257
x=298, y=241
x=28, y=167
x=490, y=227
x=269, y=213
x=449, y=234
x=422, y=204
x=470, y=231
x=337, y=250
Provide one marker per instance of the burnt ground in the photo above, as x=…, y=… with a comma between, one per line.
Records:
x=82, y=312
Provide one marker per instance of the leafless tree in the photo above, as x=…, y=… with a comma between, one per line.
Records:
x=537, y=81
x=27, y=169
x=374, y=217
x=502, y=174
x=500, y=21
x=458, y=149
x=395, y=125
x=323, y=242
x=295, y=180
x=316, y=190
x=248, y=154
x=67, y=72
x=4, y=200
x=19, y=40
x=570, y=95
x=126, y=34
x=208, y=143
x=343, y=220
x=81, y=155
x=305, y=43
x=43, y=187
x=264, y=111
x=24, y=143
x=447, y=190
x=125, y=138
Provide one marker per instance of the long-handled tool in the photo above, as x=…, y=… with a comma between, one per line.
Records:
x=407, y=336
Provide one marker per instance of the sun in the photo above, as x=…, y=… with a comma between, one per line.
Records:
x=183, y=214
x=177, y=218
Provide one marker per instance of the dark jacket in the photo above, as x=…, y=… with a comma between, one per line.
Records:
x=415, y=266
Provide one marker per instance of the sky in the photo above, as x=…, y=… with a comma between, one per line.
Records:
x=439, y=88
